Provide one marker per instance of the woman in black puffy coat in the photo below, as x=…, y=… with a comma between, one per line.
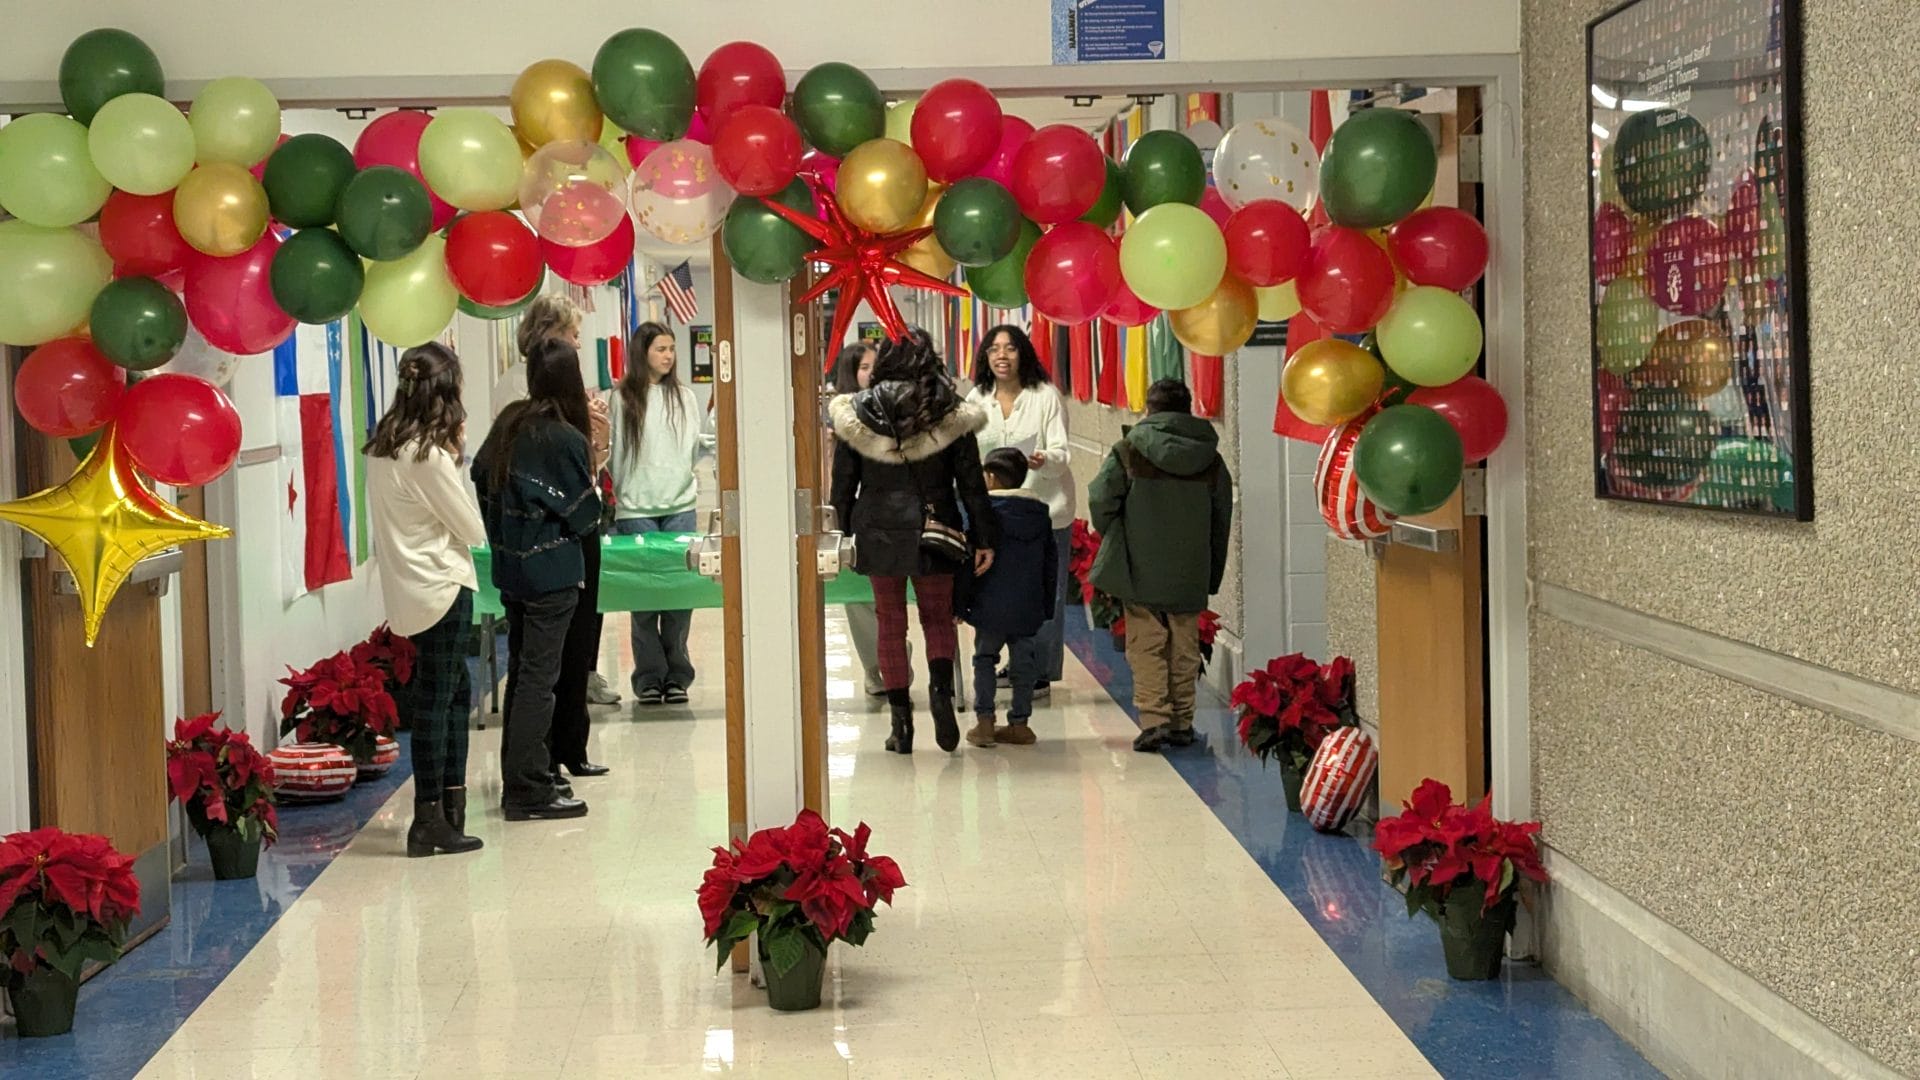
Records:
x=905, y=457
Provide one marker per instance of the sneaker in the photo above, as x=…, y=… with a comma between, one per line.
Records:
x=599, y=693
x=1015, y=734
x=652, y=695
x=982, y=734
x=675, y=695
x=1152, y=739
x=1180, y=736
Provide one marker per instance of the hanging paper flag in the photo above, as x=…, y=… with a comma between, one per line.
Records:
x=1133, y=350
x=317, y=529
x=1206, y=381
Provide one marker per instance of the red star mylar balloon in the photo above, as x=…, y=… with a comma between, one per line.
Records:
x=862, y=265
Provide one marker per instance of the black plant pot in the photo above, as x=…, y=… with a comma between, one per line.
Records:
x=234, y=856
x=1474, y=941
x=43, y=1003
x=799, y=989
x=1291, y=780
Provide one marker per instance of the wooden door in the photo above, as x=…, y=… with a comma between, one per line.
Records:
x=809, y=623
x=196, y=643
x=1431, y=609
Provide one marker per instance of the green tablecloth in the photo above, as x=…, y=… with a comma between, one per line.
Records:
x=648, y=572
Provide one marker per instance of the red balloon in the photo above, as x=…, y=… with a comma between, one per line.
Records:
x=1687, y=266
x=230, y=301
x=179, y=429
x=394, y=139
x=1126, y=309
x=1267, y=242
x=1073, y=272
x=493, y=258
x=1442, y=246
x=1058, y=174
x=259, y=169
x=758, y=150
x=1612, y=242
x=139, y=235
x=66, y=389
x=738, y=74
x=1215, y=204
x=1014, y=133
x=1474, y=408
x=956, y=129
x=1347, y=285
x=595, y=264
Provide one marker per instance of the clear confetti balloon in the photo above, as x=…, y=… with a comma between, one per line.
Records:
x=198, y=358
x=1267, y=159
x=677, y=195
x=571, y=192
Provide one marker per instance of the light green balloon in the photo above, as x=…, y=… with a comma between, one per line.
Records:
x=46, y=172
x=1430, y=336
x=48, y=279
x=471, y=159
x=235, y=121
x=1626, y=325
x=141, y=144
x=1173, y=256
x=408, y=301
x=900, y=120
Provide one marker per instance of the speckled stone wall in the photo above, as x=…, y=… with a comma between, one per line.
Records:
x=1778, y=836
x=1352, y=625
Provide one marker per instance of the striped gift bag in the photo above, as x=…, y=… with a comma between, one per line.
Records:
x=1337, y=779
x=1346, y=509
x=311, y=771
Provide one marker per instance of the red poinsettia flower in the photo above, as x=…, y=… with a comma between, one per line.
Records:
x=1209, y=627
x=1293, y=668
x=1436, y=844
x=220, y=775
x=391, y=653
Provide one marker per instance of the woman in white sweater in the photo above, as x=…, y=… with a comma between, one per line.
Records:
x=659, y=434
x=1025, y=411
x=424, y=523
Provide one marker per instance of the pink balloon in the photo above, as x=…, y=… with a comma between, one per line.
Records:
x=1014, y=133
x=394, y=139
x=230, y=301
x=638, y=149
x=1126, y=309
x=1215, y=204
x=595, y=264
x=699, y=130
x=1073, y=272
x=821, y=170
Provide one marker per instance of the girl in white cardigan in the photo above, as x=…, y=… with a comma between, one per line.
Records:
x=1026, y=412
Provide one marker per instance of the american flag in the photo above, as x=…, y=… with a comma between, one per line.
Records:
x=677, y=289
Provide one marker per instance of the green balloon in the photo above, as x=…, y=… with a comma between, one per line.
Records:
x=1663, y=439
x=47, y=176
x=1626, y=325
x=384, y=213
x=1661, y=161
x=48, y=279
x=316, y=277
x=304, y=179
x=838, y=107
x=1747, y=474
x=101, y=65
x=977, y=222
x=1408, y=460
x=1112, y=198
x=1173, y=256
x=84, y=444
x=644, y=83
x=1003, y=282
x=763, y=246
x=1430, y=336
x=138, y=323
x=1163, y=167
x=505, y=311
x=1378, y=169
x=409, y=301
x=235, y=120
x=141, y=144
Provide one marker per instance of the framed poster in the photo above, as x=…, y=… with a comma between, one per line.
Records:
x=1698, y=271
x=701, y=338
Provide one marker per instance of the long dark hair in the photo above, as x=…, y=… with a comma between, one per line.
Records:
x=554, y=391
x=913, y=360
x=846, y=367
x=1031, y=372
x=426, y=406
x=636, y=386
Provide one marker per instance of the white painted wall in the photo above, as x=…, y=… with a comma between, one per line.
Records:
x=15, y=808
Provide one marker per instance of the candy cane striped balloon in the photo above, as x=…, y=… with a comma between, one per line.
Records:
x=1348, y=512
x=1337, y=780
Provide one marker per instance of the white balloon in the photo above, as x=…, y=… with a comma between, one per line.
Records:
x=201, y=360
x=1267, y=159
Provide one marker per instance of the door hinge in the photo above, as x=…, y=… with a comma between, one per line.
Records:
x=1470, y=167
x=1473, y=492
x=729, y=513
x=803, y=512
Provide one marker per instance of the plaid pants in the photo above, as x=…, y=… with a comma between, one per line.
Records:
x=438, y=700
x=934, y=593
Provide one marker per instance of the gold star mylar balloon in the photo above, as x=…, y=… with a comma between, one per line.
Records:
x=102, y=521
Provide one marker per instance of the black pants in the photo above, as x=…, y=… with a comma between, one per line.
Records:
x=578, y=657
x=437, y=701
x=536, y=637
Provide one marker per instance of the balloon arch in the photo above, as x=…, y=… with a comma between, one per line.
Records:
x=213, y=235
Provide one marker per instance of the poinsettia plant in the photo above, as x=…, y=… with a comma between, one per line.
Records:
x=1289, y=707
x=1209, y=631
x=394, y=654
x=339, y=700
x=801, y=884
x=65, y=901
x=221, y=779
x=1440, y=847
x=1104, y=610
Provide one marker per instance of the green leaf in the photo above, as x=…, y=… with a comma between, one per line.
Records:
x=741, y=926
x=784, y=951
x=1413, y=901
x=1506, y=874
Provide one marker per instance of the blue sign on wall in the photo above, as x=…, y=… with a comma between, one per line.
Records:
x=1108, y=31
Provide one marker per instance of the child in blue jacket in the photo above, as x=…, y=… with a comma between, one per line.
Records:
x=1011, y=601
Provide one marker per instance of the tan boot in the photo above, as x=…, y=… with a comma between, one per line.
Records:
x=1016, y=735
x=982, y=734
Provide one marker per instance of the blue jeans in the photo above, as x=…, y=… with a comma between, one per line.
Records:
x=660, y=637
x=1023, y=669
x=1051, y=641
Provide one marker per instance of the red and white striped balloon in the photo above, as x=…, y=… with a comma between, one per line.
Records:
x=1348, y=512
x=1337, y=780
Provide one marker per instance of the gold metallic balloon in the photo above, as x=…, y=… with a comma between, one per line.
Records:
x=1331, y=381
x=553, y=100
x=102, y=521
x=1222, y=322
x=1278, y=303
x=220, y=209
x=882, y=185
x=927, y=256
x=1694, y=356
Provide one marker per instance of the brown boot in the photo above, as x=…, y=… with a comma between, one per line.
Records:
x=982, y=734
x=1016, y=735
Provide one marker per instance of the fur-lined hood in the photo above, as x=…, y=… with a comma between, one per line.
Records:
x=849, y=427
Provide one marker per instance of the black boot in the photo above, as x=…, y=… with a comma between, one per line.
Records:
x=454, y=802
x=946, y=727
x=431, y=834
x=901, y=741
